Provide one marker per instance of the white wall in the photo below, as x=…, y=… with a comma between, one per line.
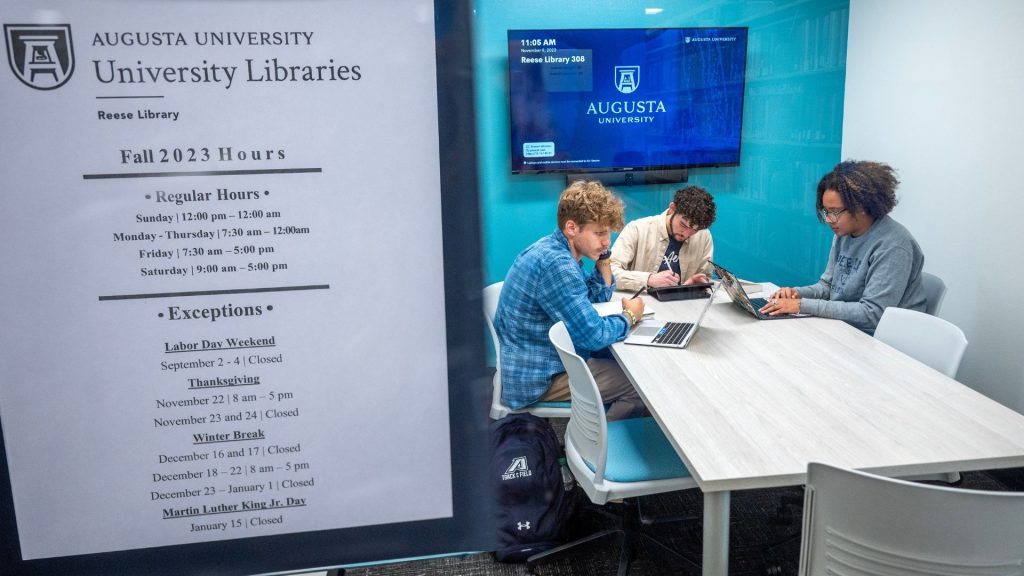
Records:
x=936, y=89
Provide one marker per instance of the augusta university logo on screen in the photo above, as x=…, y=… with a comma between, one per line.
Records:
x=633, y=111
x=40, y=55
x=627, y=79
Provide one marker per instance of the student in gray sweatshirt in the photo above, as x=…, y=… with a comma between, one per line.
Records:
x=874, y=263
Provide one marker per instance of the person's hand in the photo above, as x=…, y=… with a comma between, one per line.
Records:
x=634, y=305
x=785, y=293
x=776, y=306
x=663, y=278
x=699, y=278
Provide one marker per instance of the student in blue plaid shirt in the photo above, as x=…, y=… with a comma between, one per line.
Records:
x=547, y=283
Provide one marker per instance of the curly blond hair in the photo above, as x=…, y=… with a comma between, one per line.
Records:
x=586, y=201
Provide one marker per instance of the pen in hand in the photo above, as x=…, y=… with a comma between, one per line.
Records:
x=668, y=266
x=638, y=292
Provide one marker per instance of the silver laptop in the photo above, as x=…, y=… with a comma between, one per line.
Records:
x=746, y=303
x=669, y=334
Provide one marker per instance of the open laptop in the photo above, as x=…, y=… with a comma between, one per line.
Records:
x=739, y=296
x=668, y=334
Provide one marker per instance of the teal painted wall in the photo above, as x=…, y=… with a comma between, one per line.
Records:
x=792, y=130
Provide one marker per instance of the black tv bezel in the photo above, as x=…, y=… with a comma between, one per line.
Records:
x=614, y=172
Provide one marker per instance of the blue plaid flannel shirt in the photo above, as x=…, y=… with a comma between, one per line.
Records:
x=545, y=285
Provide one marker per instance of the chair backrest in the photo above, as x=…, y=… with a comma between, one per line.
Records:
x=859, y=523
x=491, y=295
x=930, y=339
x=588, y=427
x=934, y=291
x=499, y=410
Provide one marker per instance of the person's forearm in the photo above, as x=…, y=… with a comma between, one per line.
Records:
x=819, y=291
x=861, y=315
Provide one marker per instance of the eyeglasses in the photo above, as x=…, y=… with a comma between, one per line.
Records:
x=831, y=215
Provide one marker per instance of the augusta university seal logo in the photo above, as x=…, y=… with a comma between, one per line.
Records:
x=41, y=55
x=627, y=78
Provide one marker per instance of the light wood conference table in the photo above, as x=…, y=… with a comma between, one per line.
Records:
x=749, y=403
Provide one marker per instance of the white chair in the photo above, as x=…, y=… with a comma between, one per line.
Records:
x=929, y=339
x=934, y=292
x=859, y=523
x=612, y=460
x=498, y=409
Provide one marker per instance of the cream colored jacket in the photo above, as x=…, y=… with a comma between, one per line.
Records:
x=638, y=251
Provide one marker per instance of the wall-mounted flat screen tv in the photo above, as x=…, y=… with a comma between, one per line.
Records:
x=625, y=99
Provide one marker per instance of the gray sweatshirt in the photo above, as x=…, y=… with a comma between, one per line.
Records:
x=865, y=275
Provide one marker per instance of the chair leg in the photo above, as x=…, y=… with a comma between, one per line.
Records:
x=625, y=555
x=651, y=520
x=667, y=549
x=604, y=512
x=634, y=523
x=553, y=554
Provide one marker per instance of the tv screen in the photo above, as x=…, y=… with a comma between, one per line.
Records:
x=625, y=99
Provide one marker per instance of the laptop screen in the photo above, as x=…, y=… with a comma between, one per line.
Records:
x=733, y=287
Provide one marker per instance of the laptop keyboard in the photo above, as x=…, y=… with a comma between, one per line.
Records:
x=758, y=303
x=673, y=333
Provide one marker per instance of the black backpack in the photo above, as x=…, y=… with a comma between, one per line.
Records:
x=533, y=503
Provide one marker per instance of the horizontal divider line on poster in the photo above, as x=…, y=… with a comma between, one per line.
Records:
x=198, y=173
x=214, y=292
x=125, y=97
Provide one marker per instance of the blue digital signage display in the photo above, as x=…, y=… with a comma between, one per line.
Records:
x=625, y=99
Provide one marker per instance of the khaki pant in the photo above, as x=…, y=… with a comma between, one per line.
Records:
x=614, y=386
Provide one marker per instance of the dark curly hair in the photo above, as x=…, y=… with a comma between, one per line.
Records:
x=696, y=205
x=868, y=187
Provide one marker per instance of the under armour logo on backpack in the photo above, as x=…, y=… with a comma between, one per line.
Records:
x=522, y=525
x=517, y=469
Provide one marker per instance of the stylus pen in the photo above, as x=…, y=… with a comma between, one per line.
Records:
x=638, y=292
x=668, y=265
